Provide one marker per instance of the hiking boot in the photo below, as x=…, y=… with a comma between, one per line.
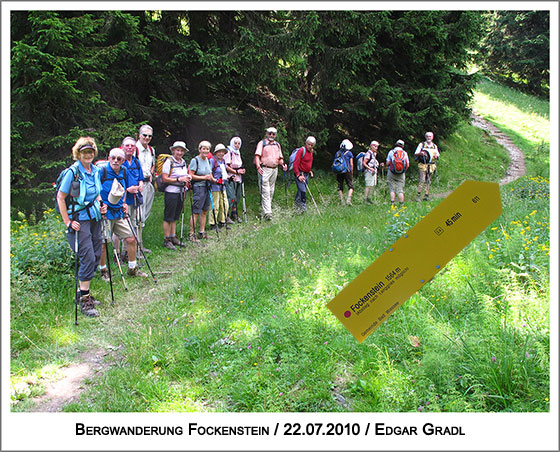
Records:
x=426, y=197
x=177, y=242
x=136, y=272
x=95, y=301
x=87, y=306
x=192, y=238
x=225, y=225
x=212, y=227
x=203, y=235
x=348, y=202
x=229, y=220
x=167, y=243
x=105, y=275
x=268, y=216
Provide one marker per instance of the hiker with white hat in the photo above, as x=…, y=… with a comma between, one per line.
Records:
x=217, y=190
x=345, y=174
x=175, y=175
x=268, y=157
x=114, y=182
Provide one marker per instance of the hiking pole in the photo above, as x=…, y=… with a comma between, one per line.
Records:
x=137, y=219
x=223, y=205
x=115, y=254
x=243, y=196
x=311, y=194
x=76, y=278
x=182, y=210
x=106, y=233
x=136, y=238
x=192, y=211
x=318, y=191
x=213, y=210
x=286, y=188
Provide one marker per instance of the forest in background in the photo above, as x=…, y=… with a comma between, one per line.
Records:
x=211, y=74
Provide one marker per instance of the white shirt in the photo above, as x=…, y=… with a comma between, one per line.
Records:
x=146, y=159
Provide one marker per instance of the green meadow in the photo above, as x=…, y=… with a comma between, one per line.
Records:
x=240, y=324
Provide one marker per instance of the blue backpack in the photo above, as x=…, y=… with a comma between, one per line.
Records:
x=292, y=158
x=339, y=163
x=360, y=162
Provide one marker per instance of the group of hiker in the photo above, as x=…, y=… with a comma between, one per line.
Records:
x=109, y=201
x=397, y=163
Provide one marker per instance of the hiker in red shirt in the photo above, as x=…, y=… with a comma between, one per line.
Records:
x=302, y=170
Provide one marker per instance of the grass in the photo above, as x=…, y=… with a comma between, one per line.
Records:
x=241, y=324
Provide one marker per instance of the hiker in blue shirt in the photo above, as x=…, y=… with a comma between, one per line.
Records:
x=83, y=216
x=114, y=182
x=135, y=192
x=347, y=176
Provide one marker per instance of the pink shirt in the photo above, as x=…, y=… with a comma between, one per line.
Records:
x=270, y=154
x=234, y=161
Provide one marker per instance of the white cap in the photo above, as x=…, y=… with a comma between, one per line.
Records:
x=346, y=144
x=400, y=143
x=179, y=144
x=272, y=129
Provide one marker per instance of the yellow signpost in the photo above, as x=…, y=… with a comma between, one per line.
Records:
x=414, y=259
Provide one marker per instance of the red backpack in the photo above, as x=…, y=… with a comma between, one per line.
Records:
x=399, y=164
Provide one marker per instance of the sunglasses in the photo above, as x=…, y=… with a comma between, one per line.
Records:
x=87, y=151
x=118, y=159
x=145, y=135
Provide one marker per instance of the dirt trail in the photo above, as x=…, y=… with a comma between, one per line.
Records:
x=516, y=167
x=68, y=389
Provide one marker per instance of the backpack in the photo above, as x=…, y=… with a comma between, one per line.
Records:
x=423, y=156
x=292, y=158
x=339, y=163
x=160, y=185
x=360, y=162
x=74, y=188
x=398, y=164
x=161, y=158
x=105, y=178
x=151, y=149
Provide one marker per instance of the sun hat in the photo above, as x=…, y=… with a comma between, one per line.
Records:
x=86, y=146
x=220, y=148
x=272, y=129
x=178, y=144
x=116, y=193
x=346, y=144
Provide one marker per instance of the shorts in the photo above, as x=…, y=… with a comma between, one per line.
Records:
x=120, y=227
x=201, y=200
x=173, y=206
x=396, y=182
x=340, y=178
x=424, y=166
x=371, y=178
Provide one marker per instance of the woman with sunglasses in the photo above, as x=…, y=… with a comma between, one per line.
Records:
x=78, y=202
